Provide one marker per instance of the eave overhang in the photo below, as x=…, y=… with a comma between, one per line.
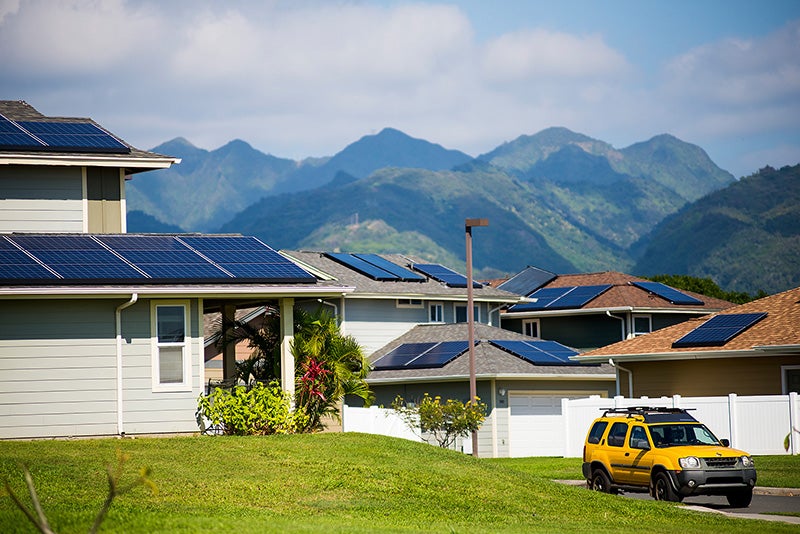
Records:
x=602, y=311
x=489, y=376
x=207, y=292
x=754, y=352
x=134, y=164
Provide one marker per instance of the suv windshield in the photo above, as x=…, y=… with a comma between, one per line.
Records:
x=676, y=434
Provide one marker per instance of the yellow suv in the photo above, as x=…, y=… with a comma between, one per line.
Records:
x=667, y=452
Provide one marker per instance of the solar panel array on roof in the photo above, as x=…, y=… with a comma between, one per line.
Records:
x=527, y=281
x=719, y=330
x=421, y=355
x=57, y=136
x=375, y=267
x=669, y=294
x=561, y=298
x=538, y=352
x=442, y=274
x=133, y=258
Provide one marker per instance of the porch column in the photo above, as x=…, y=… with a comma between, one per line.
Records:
x=287, y=337
x=228, y=312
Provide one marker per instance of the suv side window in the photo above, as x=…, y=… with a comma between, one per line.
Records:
x=616, y=436
x=637, y=436
x=596, y=433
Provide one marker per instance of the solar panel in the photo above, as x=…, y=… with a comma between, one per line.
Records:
x=77, y=257
x=577, y=297
x=440, y=355
x=538, y=352
x=12, y=136
x=83, y=258
x=667, y=293
x=247, y=258
x=719, y=330
x=527, y=281
x=362, y=266
x=404, y=274
x=400, y=356
x=442, y=274
x=83, y=136
x=16, y=265
x=561, y=298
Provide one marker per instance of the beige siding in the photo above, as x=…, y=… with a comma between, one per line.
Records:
x=743, y=376
x=58, y=370
x=41, y=199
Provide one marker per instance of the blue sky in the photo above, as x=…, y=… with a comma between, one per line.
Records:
x=306, y=78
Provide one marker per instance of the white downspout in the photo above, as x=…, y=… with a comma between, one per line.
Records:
x=118, y=314
x=630, y=377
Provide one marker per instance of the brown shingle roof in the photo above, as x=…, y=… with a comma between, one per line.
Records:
x=781, y=328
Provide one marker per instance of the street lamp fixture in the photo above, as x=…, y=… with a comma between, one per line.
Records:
x=469, y=224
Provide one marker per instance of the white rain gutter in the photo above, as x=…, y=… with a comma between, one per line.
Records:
x=118, y=313
x=630, y=377
x=622, y=321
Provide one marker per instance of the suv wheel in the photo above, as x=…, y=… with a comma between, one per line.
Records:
x=740, y=499
x=601, y=482
x=662, y=489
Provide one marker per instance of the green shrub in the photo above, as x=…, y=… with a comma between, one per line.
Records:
x=257, y=410
x=443, y=422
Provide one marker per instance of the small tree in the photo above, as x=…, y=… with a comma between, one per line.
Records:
x=442, y=422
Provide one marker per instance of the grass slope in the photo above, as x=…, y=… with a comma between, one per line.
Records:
x=321, y=483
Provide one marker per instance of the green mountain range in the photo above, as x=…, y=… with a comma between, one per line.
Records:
x=558, y=200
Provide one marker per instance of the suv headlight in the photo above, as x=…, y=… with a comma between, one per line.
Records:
x=747, y=461
x=690, y=462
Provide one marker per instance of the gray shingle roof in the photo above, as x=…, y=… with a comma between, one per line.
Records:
x=489, y=360
x=366, y=286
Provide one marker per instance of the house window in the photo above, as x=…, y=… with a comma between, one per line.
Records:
x=436, y=312
x=642, y=324
x=790, y=378
x=461, y=313
x=530, y=327
x=409, y=303
x=171, y=362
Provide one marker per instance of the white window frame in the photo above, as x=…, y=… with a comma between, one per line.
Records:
x=409, y=303
x=527, y=322
x=641, y=316
x=784, y=377
x=477, y=312
x=440, y=312
x=185, y=345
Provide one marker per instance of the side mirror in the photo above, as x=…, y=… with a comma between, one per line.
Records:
x=725, y=442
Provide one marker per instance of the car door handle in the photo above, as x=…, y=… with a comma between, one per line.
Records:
x=627, y=454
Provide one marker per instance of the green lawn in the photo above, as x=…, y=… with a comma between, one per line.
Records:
x=325, y=483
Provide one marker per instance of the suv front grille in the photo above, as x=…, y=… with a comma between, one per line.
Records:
x=721, y=463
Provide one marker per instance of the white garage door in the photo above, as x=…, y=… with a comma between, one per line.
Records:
x=536, y=427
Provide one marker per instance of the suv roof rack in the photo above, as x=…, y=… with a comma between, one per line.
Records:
x=653, y=413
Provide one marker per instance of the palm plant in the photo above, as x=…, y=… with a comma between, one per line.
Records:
x=329, y=366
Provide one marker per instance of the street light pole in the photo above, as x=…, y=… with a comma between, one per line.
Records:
x=473, y=387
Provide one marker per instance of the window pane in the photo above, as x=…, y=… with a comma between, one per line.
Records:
x=170, y=324
x=641, y=325
x=531, y=328
x=436, y=313
x=170, y=365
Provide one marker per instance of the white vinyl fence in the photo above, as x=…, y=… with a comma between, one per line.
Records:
x=758, y=424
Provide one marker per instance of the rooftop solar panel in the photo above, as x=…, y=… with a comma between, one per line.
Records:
x=362, y=266
x=443, y=274
x=544, y=297
x=74, y=136
x=440, y=355
x=719, y=330
x=402, y=273
x=83, y=258
x=538, y=352
x=527, y=281
x=401, y=355
x=12, y=136
x=669, y=294
x=578, y=297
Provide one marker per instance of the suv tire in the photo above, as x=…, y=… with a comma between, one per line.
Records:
x=601, y=482
x=740, y=499
x=662, y=489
